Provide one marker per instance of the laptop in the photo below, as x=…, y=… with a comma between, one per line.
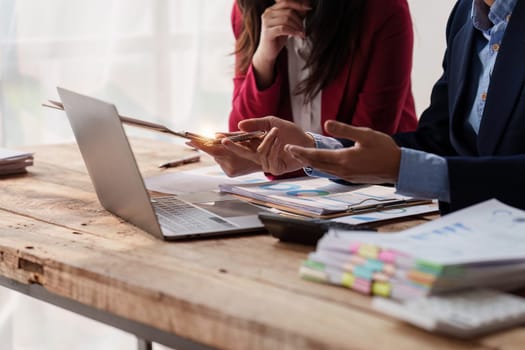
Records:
x=120, y=187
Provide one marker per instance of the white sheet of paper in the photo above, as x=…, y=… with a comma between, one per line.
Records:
x=388, y=214
x=198, y=180
x=487, y=232
x=7, y=154
x=317, y=196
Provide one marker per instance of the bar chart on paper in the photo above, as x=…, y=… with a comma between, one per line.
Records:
x=319, y=196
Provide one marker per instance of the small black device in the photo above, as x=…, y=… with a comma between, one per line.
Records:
x=303, y=231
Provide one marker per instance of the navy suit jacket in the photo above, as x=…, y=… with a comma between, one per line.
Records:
x=492, y=163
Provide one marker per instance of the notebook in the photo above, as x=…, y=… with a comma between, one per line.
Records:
x=14, y=162
x=479, y=246
x=320, y=197
x=120, y=187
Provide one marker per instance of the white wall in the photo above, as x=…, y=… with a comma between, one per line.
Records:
x=158, y=60
x=430, y=19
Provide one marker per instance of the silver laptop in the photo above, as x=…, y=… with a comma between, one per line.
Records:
x=120, y=188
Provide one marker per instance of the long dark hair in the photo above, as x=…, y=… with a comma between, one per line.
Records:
x=333, y=26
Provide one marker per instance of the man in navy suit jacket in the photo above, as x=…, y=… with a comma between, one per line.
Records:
x=488, y=161
x=470, y=143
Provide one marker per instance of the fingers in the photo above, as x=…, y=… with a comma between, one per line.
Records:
x=275, y=157
x=213, y=150
x=196, y=144
x=256, y=124
x=293, y=4
x=345, y=131
x=239, y=150
x=283, y=31
x=285, y=17
x=265, y=149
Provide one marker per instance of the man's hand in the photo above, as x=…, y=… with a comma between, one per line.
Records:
x=270, y=154
x=374, y=158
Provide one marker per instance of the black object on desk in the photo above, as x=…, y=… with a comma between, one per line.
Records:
x=303, y=231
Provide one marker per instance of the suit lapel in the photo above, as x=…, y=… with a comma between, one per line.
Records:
x=462, y=58
x=465, y=39
x=506, y=83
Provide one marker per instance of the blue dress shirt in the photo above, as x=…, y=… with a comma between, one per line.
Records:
x=424, y=174
x=322, y=142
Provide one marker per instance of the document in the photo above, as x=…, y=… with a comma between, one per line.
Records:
x=484, y=233
x=389, y=214
x=480, y=246
x=197, y=180
x=14, y=162
x=319, y=197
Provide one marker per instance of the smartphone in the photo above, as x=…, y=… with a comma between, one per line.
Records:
x=237, y=137
x=303, y=231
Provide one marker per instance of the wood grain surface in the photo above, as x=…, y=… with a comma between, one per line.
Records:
x=231, y=293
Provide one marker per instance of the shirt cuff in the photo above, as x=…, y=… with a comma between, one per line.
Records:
x=322, y=142
x=423, y=175
x=325, y=142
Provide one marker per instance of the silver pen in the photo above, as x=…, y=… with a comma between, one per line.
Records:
x=181, y=161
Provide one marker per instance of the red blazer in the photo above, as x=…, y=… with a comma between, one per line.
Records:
x=374, y=89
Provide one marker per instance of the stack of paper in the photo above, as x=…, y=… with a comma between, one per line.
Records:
x=481, y=246
x=320, y=197
x=14, y=162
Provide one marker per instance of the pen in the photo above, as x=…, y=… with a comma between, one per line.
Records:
x=181, y=161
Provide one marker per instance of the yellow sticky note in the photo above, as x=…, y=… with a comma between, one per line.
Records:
x=369, y=251
x=348, y=280
x=382, y=289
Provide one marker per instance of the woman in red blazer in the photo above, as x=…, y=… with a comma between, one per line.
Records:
x=359, y=61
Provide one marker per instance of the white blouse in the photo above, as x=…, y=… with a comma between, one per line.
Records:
x=307, y=115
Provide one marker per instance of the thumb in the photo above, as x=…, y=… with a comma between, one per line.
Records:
x=345, y=131
x=256, y=124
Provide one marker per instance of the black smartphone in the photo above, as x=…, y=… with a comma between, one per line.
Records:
x=303, y=231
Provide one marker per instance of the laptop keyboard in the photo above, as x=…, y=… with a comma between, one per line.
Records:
x=179, y=216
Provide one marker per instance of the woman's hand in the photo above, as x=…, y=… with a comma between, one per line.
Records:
x=283, y=19
x=270, y=154
x=231, y=163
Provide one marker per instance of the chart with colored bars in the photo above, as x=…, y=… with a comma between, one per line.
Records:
x=318, y=196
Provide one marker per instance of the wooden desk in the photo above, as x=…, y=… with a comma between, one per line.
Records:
x=59, y=245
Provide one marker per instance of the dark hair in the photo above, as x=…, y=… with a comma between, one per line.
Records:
x=333, y=26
